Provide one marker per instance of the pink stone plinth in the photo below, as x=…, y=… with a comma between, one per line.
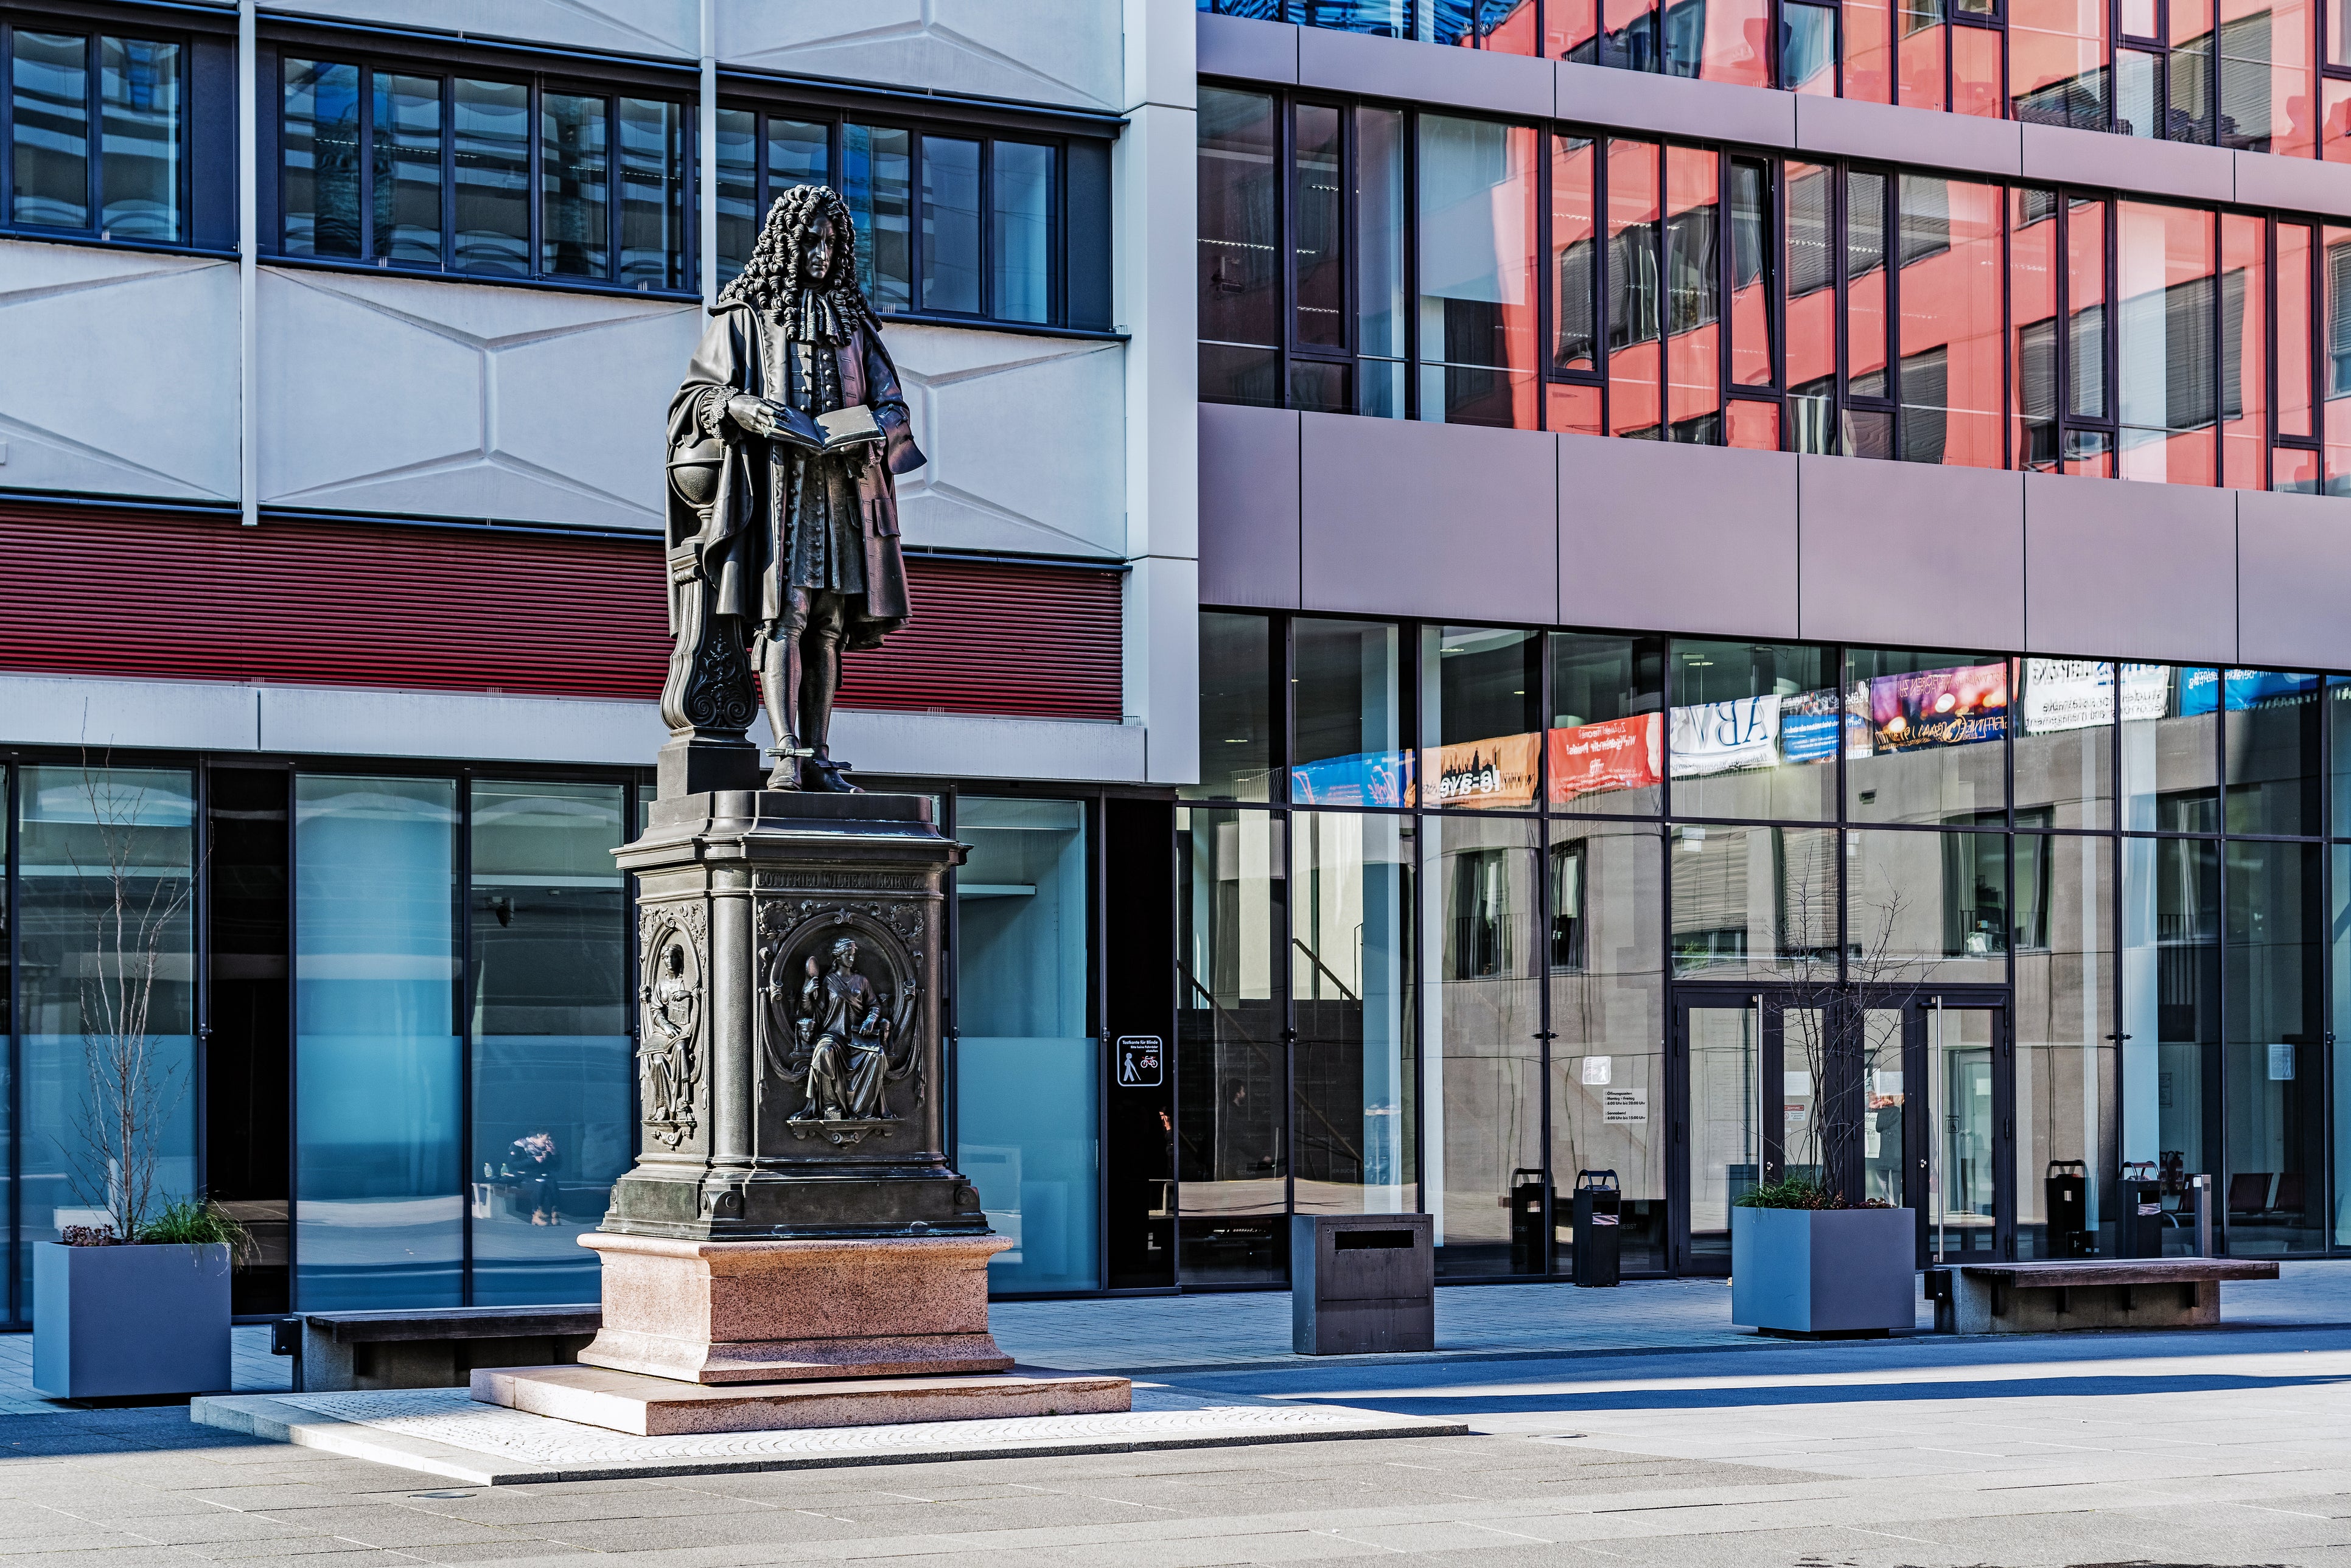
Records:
x=774, y=1311
x=661, y=1408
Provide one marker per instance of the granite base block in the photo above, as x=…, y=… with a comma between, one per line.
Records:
x=662, y=1407
x=771, y=1312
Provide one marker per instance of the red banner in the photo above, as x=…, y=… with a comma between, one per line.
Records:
x=1601, y=759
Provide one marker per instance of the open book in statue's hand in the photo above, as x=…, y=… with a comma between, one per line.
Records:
x=836, y=432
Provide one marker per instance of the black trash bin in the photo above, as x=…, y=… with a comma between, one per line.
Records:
x=1529, y=1221
x=2139, y=1228
x=2066, y=1192
x=1599, y=1233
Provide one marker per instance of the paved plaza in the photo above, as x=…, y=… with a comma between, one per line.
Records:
x=2231, y=1447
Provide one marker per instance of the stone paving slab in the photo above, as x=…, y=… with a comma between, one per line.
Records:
x=444, y=1432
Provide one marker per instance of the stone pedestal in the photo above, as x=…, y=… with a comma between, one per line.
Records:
x=661, y=1408
x=768, y=1312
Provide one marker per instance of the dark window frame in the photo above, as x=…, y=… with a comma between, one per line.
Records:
x=94, y=30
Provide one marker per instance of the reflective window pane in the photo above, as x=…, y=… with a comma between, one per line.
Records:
x=1953, y=361
x=553, y=1102
x=1020, y=233
x=1869, y=50
x=1479, y=693
x=1752, y=902
x=735, y=166
x=1351, y=979
x=139, y=172
x=877, y=175
x=379, y=1211
x=1379, y=215
x=1574, y=253
x=1350, y=748
x=1693, y=296
x=2274, y=1154
x=1477, y=249
x=2270, y=751
x=492, y=126
x=2168, y=406
x=321, y=142
x=574, y=216
x=1240, y=289
x=1609, y=1105
x=1753, y=307
x=1236, y=711
x=1317, y=226
x=1605, y=751
x=1927, y=906
x=2170, y=748
x=1808, y=49
x=1229, y=1066
x=1754, y=731
x=799, y=153
x=106, y=858
x=2085, y=295
x=50, y=134
x=1484, y=1066
x=951, y=225
x=1929, y=737
x=2063, y=939
x=1028, y=1072
x=2032, y=317
x=2057, y=62
x=2064, y=743
x=407, y=154
x=652, y=193
x=1635, y=284
x=2244, y=350
x=2171, y=1001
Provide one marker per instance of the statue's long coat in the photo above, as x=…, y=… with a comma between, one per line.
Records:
x=741, y=539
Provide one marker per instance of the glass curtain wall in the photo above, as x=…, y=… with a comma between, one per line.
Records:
x=1028, y=1069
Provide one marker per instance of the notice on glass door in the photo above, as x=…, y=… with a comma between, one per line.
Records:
x=1621, y=1106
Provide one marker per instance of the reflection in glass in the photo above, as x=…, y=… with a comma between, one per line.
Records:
x=1752, y=901
x=1884, y=1171
x=1028, y=1071
x=2170, y=748
x=1953, y=360
x=877, y=182
x=2064, y=1051
x=1483, y=1114
x=1478, y=697
x=575, y=234
x=1351, y=975
x=1478, y=237
x=493, y=174
x=735, y=169
x=320, y=147
x=2274, y=1146
x=1752, y=306
x=1021, y=235
x=553, y=1115
x=950, y=225
x=105, y=861
x=1235, y=699
x=2270, y=751
x=2171, y=1001
x=1349, y=749
x=139, y=169
x=1725, y=1144
x=1754, y=731
x=2339, y=1048
x=1927, y=906
x=1927, y=740
x=407, y=152
x=1606, y=740
x=1961, y=1187
x=1318, y=229
x=1635, y=290
x=1380, y=309
x=2244, y=350
x=2064, y=740
x=49, y=140
x=1239, y=254
x=2032, y=317
x=1231, y=1070
x=1574, y=255
x=1609, y=1107
x=377, y=1213
x=652, y=193
x=2165, y=280
x=1692, y=295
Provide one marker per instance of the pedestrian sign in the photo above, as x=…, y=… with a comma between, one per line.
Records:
x=1139, y=1059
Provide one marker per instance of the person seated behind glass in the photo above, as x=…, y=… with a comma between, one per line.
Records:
x=530, y=1164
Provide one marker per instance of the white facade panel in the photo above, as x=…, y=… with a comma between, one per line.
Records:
x=1064, y=52
x=120, y=373
x=618, y=26
x=410, y=396
x=981, y=404
x=98, y=713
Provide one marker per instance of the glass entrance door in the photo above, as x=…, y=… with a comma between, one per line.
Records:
x=1719, y=1048
x=1965, y=1065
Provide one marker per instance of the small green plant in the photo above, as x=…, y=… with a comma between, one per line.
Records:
x=198, y=1222
x=1798, y=1192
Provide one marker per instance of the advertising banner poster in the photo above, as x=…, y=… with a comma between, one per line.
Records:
x=2066, y=694
x=2146, y=691
x=1808, y=727
x=1960, y=706
x=1367, y=778
x=1498, y=772
x=2199, y=692
x=1722, y=737
x=1601, y=758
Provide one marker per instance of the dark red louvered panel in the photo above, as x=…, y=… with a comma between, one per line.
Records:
x=195, y=597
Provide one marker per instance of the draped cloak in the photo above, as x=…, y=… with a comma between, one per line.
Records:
x=777, y=513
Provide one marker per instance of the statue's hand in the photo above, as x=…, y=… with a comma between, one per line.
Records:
x=755, y=415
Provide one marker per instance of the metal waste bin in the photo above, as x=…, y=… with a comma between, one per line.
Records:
x=1530, y=1223
x=1599, y=1233
x=1362, y=1282
x=2138, y=1228
x=2065, y=1192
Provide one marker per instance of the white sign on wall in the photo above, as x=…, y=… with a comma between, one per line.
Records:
x=1597, y=1068
x=1622, y=1106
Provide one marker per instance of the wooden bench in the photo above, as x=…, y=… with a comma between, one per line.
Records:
x=436, y=1347
x=2085, y=1293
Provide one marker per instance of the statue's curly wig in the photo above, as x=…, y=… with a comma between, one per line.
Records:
x=770, y=282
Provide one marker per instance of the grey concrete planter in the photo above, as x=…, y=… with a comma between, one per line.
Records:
x=1823, y=1272
x=121, y=1321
